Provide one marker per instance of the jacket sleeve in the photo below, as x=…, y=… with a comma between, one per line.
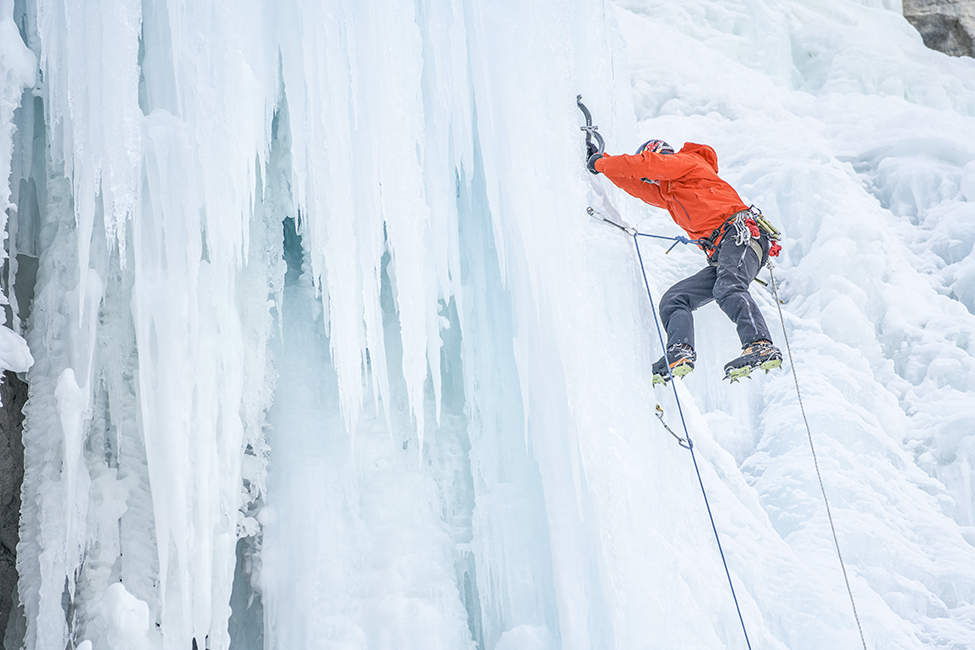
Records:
x=642, y=190
x=655, y=166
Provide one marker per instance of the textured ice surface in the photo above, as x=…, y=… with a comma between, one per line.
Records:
x=320, y=277
x=16, y=72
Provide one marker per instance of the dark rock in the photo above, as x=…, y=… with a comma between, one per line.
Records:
x=945, y=25
x=13, y=394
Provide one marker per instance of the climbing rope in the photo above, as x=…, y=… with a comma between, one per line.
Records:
x=742, y=234
x=688, y=443
x=687, y=436
x=633, y=232
x=679, y=239
x=812, y=448
x=592, y=133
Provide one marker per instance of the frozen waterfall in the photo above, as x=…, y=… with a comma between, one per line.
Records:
x=323, y=351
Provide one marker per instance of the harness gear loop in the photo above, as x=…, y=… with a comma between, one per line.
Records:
x=749, y=226
x=764, y=223
x=766, y=227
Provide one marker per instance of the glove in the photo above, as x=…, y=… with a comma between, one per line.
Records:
x=591, y=163
x=591, y=148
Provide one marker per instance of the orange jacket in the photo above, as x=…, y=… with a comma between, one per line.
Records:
x=686, y=184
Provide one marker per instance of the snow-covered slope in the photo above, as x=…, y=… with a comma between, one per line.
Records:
x=321, y=328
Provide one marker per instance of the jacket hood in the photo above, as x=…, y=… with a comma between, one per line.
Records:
x=704, y=151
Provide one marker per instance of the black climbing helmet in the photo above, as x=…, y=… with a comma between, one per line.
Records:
x=655, y=146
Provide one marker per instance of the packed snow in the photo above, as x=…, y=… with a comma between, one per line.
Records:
x=325, y=352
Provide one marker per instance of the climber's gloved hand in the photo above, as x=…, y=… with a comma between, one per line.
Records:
x=591, y=163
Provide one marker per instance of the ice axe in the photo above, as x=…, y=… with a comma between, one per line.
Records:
x=591, y=130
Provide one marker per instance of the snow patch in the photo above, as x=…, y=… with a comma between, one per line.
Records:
x=122, y=622
x=14, y=353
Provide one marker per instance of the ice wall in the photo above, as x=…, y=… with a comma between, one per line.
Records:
x=17, y=67
x=16, y=72
x=319, y=278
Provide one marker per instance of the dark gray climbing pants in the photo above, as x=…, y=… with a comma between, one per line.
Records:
x=726, y=281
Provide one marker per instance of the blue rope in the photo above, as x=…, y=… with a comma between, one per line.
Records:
x=687, y=435
x=679, y=238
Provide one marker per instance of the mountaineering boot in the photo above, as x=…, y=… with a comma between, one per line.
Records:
x=682, y=358
x=760, y=354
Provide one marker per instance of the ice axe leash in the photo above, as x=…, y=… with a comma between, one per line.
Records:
x=686, y=442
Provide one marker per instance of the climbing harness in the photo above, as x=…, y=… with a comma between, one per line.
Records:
x=749, y=225
x=678, y=239
x=812, y=449
x=686, y=442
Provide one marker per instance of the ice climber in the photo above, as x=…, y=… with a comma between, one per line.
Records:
x=687, y=185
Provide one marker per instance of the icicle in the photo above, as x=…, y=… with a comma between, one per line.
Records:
x=17, y=63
